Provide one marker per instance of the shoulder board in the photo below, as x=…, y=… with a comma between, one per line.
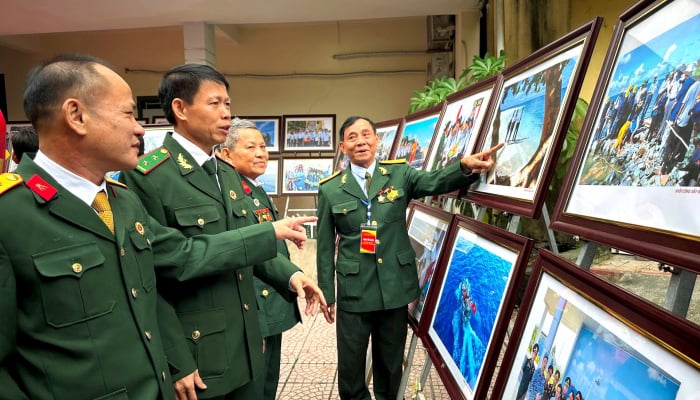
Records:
x=113, y=182
x=8, y=181
x=391, y=162
x=324, y=180
x=148, y=162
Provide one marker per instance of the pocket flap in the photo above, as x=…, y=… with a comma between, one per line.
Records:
x=203, y=323
x=347, y=267
x=69, y=261
x=196, y=215
x=406, y=257
x=240, y=208
x=344, y=208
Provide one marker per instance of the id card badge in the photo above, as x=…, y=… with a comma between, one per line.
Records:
x=368, y=238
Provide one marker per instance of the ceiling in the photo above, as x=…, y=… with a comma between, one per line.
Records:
x=23, y=17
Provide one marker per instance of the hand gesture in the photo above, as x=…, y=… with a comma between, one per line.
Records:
x=481, y=162
x=308, y=289
x=184, y=387
x=292, y=229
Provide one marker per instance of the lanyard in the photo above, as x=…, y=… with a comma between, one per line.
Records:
x=369, y=210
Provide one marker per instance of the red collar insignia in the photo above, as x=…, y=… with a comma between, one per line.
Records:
x=246, y=188
x=41, y=187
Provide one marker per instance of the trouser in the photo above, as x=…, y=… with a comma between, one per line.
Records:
x=388, y=329
x=273, y=356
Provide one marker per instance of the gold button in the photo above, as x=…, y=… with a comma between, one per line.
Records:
x=122, y=252
x=200, y=221
x=265, y=293
x=241, y=276
x=77, y=268
x=244, y=212
x=379, y=260
x=148, y=335
x=245, y=307
x=196, y=334
x=162, y=374
x=134, y=293
x=345, y=210
x=376, y=241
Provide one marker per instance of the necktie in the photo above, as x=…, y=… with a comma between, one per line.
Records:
x=209, y=167
x=104, y=211
x=368, y=181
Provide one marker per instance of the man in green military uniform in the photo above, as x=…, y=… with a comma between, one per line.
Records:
x=365, y=205
x=79, y=310
x=184, y=186
x=246, y=150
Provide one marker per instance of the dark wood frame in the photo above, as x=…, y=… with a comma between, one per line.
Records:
x=303, y=161
x=276, y=137
x=415, y=308
x=398, y=123
x=503, y=241
x=528, y=198
x=636, y=316
x=630, y=228
x=409, y=120
x=289, y=118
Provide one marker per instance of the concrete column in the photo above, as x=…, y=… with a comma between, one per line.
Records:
x=199, y=43
x=466, y=39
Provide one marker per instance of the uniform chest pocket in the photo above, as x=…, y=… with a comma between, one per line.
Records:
x=241, y=208
x=74, y=284
x=348, y=216
x=196, y=216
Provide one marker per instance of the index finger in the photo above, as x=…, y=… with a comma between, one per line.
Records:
x=493, y=149
x=305, y=219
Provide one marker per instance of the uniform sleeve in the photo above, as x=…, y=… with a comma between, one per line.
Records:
x=421, y=183
x=180, y=360
x=180, y=258
x=325, y=248
x=276, y=272
x=8, y=330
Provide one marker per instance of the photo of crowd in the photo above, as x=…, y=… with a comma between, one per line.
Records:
x=303, y=175
x=308, y=133
x=415, y=140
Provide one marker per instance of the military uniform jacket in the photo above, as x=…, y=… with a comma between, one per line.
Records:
x=78, y=306
x=220, y=332
x=278, y=311
x=387, y=279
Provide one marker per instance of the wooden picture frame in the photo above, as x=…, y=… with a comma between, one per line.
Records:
x=388, y=131
x=608, y=342
x=461, y=123
x=625, y=187
x=471, y=302
x=416, y=135
x=309, y=132
x=269, y=126
x=532, y=114
x=300, y=176
x=427, y=231
x=159, y=120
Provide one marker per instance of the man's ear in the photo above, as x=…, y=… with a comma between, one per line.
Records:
x=74, y=114
x=178, y=106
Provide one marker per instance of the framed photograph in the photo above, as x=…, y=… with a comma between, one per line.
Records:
x=270, y=129
x=460, y=124
x=159, y=120
x=154, y=136
x=532, y=112
x=388, y=132
x=633, y=181
x=301, y=175
x=11, y=127
x=427, y=230
x=309, y=132
x=417, y=133
x=600, y=341
x=341, y=160
x=270, y=180
x=470, y=303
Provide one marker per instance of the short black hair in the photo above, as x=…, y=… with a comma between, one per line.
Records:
x=351, y=120
x=24, y=140
x=183, y=82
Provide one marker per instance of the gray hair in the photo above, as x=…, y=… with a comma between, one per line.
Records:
x=233, y=136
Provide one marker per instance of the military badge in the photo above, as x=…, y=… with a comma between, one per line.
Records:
x=183, y=162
